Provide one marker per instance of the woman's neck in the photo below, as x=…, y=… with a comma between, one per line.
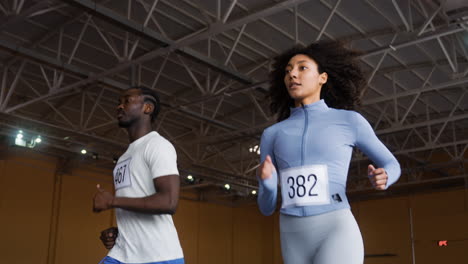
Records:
x=307, y=100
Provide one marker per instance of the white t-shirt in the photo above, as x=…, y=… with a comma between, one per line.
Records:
x=142, y=237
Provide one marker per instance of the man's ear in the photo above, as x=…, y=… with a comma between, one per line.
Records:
x=148, y=108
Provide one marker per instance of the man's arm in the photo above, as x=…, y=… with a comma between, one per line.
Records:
x=164, y=201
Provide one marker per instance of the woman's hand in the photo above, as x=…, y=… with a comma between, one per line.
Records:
x=266, y=169
x=378, y=177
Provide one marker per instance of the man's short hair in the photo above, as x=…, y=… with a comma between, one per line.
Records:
x=150, y=96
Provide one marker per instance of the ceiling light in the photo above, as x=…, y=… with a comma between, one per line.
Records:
x=20, y=134
x=19, y=141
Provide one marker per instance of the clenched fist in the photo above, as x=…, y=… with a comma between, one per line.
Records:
x=108, y=237
x=266, y=169
x=378, y=177
x=102, y=200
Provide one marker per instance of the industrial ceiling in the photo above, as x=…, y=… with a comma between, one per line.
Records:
x=64, y=63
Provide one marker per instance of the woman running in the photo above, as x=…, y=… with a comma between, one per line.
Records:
x=313, y=92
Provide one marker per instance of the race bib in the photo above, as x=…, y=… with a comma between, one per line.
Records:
x=122, y=174
x=306, y=185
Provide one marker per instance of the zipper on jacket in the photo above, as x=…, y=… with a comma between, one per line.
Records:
x=306, y=124
x=304, y=133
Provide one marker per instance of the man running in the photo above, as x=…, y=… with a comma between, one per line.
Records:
x=146, y=181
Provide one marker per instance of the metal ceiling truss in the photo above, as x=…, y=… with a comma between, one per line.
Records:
x=213, y=79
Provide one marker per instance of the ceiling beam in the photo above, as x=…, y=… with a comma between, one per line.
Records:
x=42, y=59
x=9, y=21
x=435, y=87
x=431, y=122
x=146, y=32
x=213, y=29
x=445, y=31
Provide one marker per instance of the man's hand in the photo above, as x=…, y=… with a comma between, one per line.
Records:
x=102, y=200
x=109, y=236
x=266, y=169
x=378, y=177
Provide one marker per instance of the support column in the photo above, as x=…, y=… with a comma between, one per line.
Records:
x=55, y=213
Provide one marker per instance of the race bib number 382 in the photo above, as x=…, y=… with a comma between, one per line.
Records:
x=122, y=174
x=305, y=185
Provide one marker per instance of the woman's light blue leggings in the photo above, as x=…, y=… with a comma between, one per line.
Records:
x=330, y=238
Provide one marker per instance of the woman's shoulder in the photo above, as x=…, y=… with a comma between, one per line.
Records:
x=350, y=115
x=272, y=129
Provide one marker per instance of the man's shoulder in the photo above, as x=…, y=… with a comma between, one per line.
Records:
x=154, y=139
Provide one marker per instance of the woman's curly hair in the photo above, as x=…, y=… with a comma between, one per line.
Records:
x=345, y=78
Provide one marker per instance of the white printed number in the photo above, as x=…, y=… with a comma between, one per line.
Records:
x=122, y=174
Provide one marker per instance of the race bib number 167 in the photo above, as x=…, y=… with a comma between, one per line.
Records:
x=306, y=185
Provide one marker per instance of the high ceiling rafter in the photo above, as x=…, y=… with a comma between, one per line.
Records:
x=209, y=60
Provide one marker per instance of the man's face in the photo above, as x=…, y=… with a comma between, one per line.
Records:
x=130, y=107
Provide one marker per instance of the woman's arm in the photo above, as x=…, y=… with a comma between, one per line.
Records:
x=267, y=176
x=369, y=144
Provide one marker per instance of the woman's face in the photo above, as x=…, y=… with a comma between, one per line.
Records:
x=303, y=80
